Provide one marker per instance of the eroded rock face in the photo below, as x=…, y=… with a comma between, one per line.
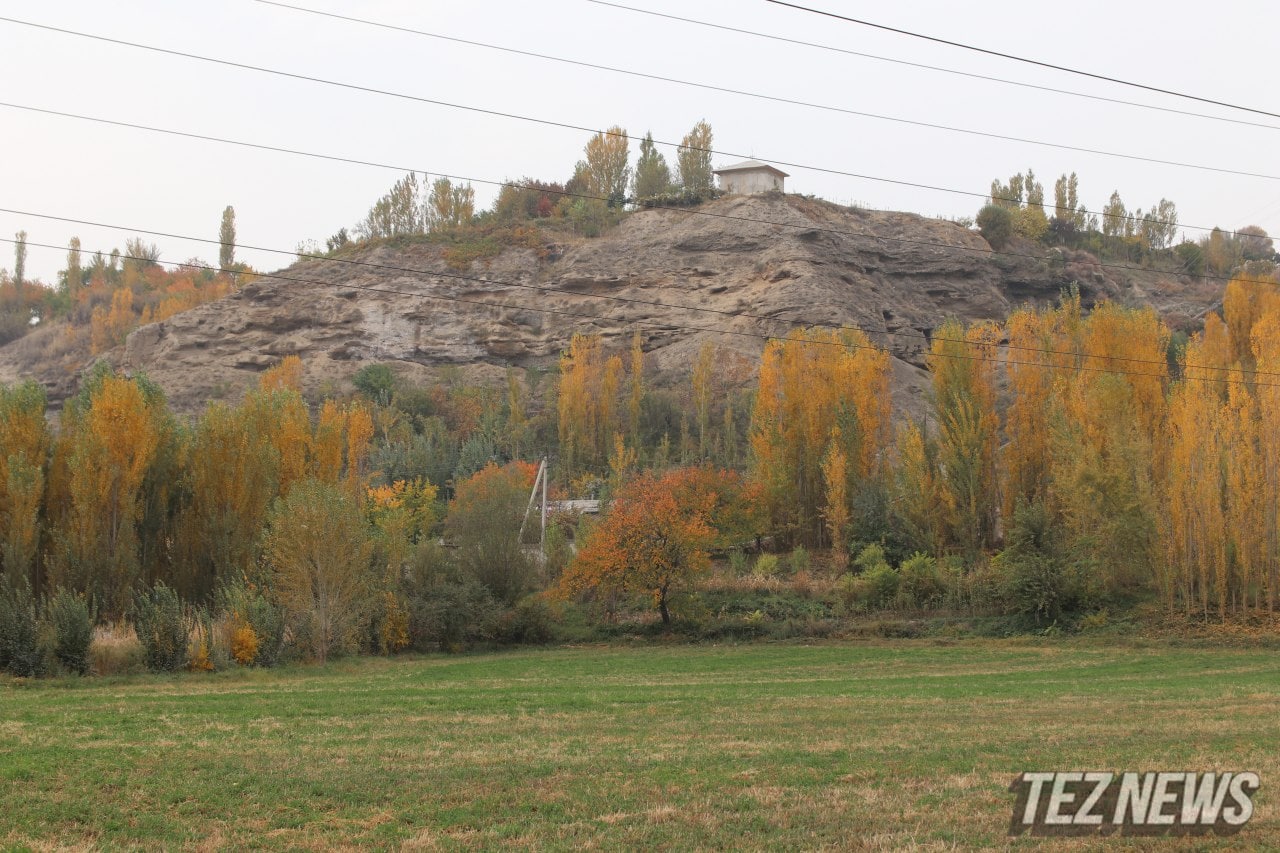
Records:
x=678, y=278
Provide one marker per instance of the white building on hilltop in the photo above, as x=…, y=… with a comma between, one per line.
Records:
x=750, y=176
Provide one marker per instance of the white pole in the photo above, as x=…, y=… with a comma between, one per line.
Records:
x=542, y=543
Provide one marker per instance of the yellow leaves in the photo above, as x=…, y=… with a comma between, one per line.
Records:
x=635, y=389
x=963, y=363
x=416, y=499
x=359, y=432
x=121, y=440
x=607, y=171
x=106, y=450
x=588, y=403
x=836, y=511
x=285, y=376
x=108, y=327
x=813, y=385
x=244, y=641
x=342, y=428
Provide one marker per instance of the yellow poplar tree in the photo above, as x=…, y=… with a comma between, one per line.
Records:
x=813, y=385
x=24, y=449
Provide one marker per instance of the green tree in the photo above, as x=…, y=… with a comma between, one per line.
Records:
x=693, y=158
x=484, y=521
x=450, y=206
x=1115, y=218
x=653, y=176
x=227, y=238
x=607, y=170
x=19, y=262
x=320, y=550
x=73, y=278
x=1067, y=209
x=1158, y=225
x=996, y=224
x=1008, y=195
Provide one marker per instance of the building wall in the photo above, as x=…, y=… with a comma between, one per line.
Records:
x=747, y=182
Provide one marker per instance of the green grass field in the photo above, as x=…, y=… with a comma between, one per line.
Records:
x=868, y=745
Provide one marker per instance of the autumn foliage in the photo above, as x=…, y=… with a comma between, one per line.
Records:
x=659, y=532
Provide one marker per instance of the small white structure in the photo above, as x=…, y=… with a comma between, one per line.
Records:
x=750, y=176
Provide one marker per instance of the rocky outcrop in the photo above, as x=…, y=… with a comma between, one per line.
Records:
x=736, y=270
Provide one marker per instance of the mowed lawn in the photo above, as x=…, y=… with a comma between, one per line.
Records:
x=885, y=745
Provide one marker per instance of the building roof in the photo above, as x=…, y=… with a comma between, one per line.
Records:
x=752, y=165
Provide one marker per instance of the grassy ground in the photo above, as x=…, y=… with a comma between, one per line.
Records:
x=876, y=745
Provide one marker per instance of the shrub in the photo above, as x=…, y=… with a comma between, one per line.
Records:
x=558, y=550
x=377, y=382
x=881, y=585
x=1034, y=578
x=996, y=224
x=528, y=622
x=244, y=642
x=849, y=594
x=199, y=640
x=870, y=557
x=318, y=539
x=20, y=651
x=799, y=560
x=738, y=562
x=161, y=628
x=246, y=606
x=766, y=566
x=920, y=583
x=71, y=618
x=1033, y=585
x=446, y=609
x=484, y=520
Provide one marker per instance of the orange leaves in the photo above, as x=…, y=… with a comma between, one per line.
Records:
x=121, y=441
x=657, y=533
x=107, y=448
x=480, y=488
x=24, y=448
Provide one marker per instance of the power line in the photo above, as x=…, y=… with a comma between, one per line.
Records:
x=922, y=65
x=775, y=98
x=659, y=326
x=623, y=299
x=1037, y=62
x=980, y=195
x=569, y=126
x=692, y=211
x=820, y=169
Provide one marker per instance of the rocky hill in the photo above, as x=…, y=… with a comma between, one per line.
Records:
x=895, y=275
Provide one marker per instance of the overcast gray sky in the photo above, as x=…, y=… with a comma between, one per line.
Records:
x=70, y=168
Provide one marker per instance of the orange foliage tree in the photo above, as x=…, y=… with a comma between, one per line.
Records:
x=657, y=533
x=110, y=436
x=24, y=448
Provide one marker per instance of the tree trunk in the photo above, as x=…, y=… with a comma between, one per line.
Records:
x=662, y=606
